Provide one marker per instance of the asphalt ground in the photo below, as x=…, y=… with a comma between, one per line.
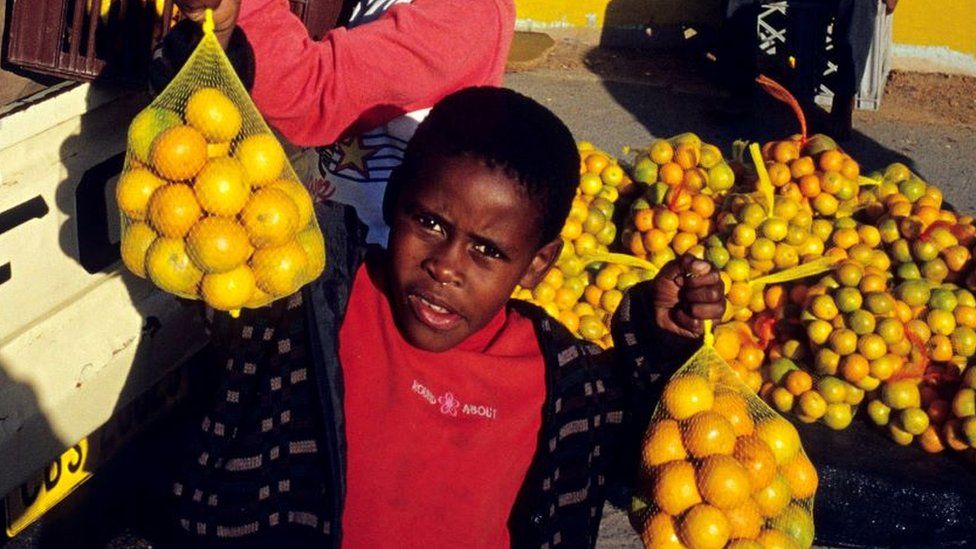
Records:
x=123, y=507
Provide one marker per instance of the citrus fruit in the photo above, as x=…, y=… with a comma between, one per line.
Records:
x=134, y=190
x=313, y=244
x=213, y=114
x=708, y=433
x=675, y=488
x=300, y=196
x=745, y=521
x=776, y=539
x=262, y=157
x=173, y=209
x=801, y=476
x=169, y=267
x=218, y=244
x=734, y=408
x=781, y=437
x=663, y=443
x=280, y=270
x=178, y=153
x=687, y=395
x=660, y=533
x=230, y=290
x=704, y=527
x=146, y=125
x=757, y=459
x=723, y=481
x=774, y=497
x=136, y=240
x=220, y=187
x=271, y=217
x=796, y=522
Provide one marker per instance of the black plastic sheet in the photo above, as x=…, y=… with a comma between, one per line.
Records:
x=874, y=493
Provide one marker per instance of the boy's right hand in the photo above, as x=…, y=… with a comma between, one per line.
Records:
x=224, y=14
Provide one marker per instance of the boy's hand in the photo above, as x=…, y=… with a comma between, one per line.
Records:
x=687, y=292
x=224, y=14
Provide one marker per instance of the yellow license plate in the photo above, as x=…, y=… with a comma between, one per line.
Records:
x=36, y=496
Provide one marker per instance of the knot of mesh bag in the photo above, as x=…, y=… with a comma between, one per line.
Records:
x=211, y=207
x=720, y=468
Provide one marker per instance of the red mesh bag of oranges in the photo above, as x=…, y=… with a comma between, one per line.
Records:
x=211, y=208
x=719, y=467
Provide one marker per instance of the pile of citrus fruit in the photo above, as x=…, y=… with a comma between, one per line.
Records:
x=212, y=211
x=721, y=469
x=584, y=289
x=684, y=179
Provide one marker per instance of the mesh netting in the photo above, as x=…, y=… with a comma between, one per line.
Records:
x=211, y=208
x=720, y=468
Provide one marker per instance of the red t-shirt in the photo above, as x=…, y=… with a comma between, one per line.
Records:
x=438, y=443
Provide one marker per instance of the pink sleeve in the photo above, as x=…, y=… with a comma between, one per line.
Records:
x=356, y=79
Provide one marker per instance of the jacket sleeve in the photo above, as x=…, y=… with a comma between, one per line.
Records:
x=315, y=92
x=645, y=356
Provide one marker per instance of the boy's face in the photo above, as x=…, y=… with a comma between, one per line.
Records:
x=462, y=236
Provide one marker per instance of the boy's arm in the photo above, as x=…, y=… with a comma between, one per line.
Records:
x=655, y=330
x=314, y=92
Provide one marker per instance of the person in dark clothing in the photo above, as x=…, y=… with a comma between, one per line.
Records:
x=403, y=399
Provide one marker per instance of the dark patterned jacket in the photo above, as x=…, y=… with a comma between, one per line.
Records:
x=596, y=407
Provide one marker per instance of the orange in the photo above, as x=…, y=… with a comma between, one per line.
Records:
x=136, y=241
x=661, y=151
x=801, y=476
x=723, y=482
x=660, y=533
x=300, y=196
x=745, y=521
x=229, y=290
x=262, y=157
x=751, y=356
x=216, y=150
x=774, y=497
x=775, y=539
x=173, y=209
x=170, y=268
x=259, y=298
x=708, y=433
x=795, y=522
x=675, y=488
x=134, y=191
x=145, y=127
x=786, y=151
x=779, y=173
x=727, y=344
x=214, y=114
x=280, y=270
x=178, y=153
x=803, y=166
x=221, y=188
x=704, y=527
x=734, y=408
x=686, y=396
x=271, y=217
x=671, y=174
x=218, y=244
x=798, y=382
x=781, y=437
x=831, y=160
x=596, y=162
x=644, y=219
x=663, y=443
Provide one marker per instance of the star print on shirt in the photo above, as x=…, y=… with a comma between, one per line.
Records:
x=353, y=154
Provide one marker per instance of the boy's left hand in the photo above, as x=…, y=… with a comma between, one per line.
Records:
x=687, y=292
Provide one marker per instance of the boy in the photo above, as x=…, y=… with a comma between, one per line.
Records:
x=402, y=399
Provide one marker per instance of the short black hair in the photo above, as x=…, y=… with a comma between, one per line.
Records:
x=506, y=130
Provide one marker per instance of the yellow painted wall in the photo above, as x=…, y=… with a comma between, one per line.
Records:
x=596, y=13
x=948, y=23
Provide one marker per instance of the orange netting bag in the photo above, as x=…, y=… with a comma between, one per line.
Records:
x=211, y=208
x=720, y=468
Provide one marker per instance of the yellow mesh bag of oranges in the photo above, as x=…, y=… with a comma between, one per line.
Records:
x=211, y=208
x=719, y=467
